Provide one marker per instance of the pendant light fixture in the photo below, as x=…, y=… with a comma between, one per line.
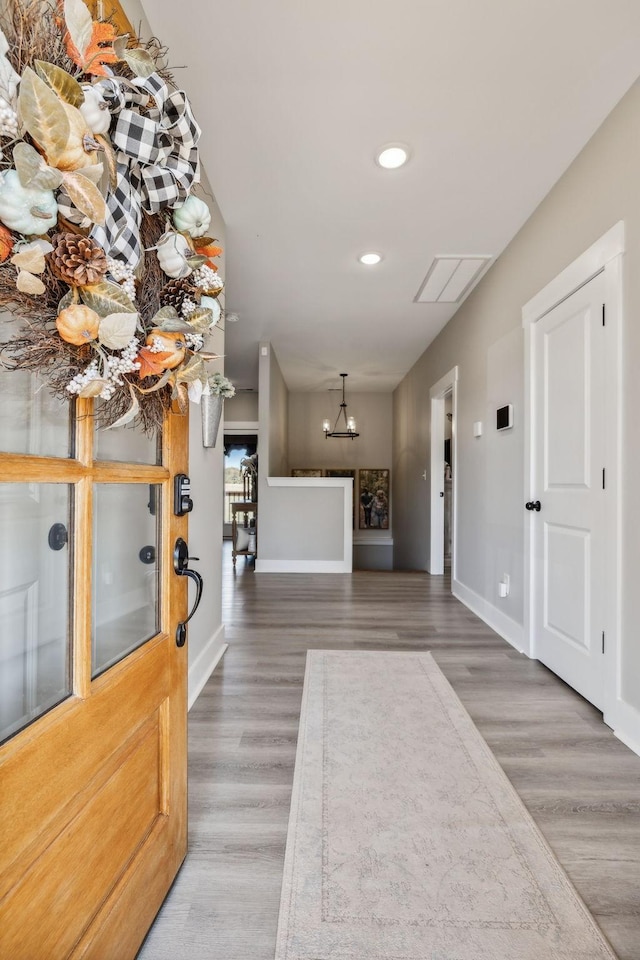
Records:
x=349, y=422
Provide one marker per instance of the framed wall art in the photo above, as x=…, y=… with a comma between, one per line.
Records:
x=373, y=499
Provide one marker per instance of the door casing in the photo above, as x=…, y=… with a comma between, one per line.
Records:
x=437, y=394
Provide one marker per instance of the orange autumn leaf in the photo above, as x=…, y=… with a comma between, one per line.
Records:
x=96, y=55
x=151, y=364
x=6, y=243
x=209, y=251
x=212, y=266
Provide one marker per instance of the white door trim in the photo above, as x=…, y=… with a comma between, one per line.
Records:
x=437, y=397
x=605, y=255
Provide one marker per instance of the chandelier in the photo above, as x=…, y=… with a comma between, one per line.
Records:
x=349, y=422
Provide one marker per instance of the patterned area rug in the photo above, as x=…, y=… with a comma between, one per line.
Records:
x=406, y=840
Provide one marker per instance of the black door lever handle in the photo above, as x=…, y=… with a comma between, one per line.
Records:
x=533, y=505
x=181, y=567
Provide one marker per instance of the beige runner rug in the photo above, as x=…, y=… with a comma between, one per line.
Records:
x=406, y=840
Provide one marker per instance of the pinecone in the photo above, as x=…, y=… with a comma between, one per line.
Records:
x=174, y=293
x=78, y=261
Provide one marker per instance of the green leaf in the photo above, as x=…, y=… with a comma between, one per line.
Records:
x=174, y=326
x=200, y=320
x=139, y=61
x=181, y=394
x=106, y=298
x=85, y=196
x=60, y=82
x=196, y=261
x=194, y=370
x=130, y=413
x=120, y=45
x=165, y=313
x=117, y=330
x=79, y=24
x=32, y=169
x=66, y=301
x=110, y=156
x=44, y=116
x=162, y=382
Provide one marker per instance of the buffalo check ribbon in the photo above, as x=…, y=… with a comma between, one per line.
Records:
x=157, y=159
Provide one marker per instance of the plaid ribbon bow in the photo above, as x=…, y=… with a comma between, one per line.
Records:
x=157, y=160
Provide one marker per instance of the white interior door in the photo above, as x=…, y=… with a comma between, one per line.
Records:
x=568, y=529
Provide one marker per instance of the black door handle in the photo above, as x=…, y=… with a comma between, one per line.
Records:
x=533, y=505
x=181, y=566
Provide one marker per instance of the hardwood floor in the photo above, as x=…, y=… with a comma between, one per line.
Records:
x=581, y=785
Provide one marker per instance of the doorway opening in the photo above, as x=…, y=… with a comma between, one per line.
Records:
x=237, y=447
x=444, y=404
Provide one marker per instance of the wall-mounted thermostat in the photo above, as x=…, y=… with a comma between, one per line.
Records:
x=504, y=417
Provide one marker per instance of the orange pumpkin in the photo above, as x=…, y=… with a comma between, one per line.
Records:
x=78, y=324
x=173, y=349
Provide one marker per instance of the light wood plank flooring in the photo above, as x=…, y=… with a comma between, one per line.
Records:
x=581, y=785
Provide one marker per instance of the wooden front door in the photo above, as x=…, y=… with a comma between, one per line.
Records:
x=92, y=685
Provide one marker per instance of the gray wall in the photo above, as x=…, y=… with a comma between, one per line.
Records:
x=273, y=407
x=486, y=341
x=243, y=408
x=308, y=446
x=206, y=631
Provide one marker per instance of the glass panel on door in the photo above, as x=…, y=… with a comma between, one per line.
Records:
x=35, y=660
x=126, y=600
x=33, y=420
x=127, y=445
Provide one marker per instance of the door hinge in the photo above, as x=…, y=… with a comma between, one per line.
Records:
x=603, y=641
x=603, y=478
x=603, y=314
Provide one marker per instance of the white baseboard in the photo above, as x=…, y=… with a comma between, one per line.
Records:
x=361, y=541
x=205, y=663
x=509, y=629
x=303, y=566
x=627, y=725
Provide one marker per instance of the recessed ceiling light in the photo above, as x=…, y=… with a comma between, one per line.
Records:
x=370, y=259
x=392, y=156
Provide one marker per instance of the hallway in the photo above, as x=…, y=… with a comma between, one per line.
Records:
x=581, y=785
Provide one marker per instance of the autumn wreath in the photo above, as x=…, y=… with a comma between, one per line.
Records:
x=105, y=262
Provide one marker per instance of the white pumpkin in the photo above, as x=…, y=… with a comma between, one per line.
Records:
x=193, y=217
x=173, y=252
x=95, y=109
x=210, y=304
x=26, y=210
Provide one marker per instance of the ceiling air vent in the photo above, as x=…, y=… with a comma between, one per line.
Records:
x=449, y=279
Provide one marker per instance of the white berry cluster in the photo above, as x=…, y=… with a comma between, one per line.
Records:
x=116, y=365
x=188, y=306
x=195, y=341
x=123, y=274
x=206, y=278
x=156, y=345
x=8, y=120
x=88, y=375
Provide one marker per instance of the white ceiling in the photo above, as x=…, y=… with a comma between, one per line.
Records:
x=495, y=99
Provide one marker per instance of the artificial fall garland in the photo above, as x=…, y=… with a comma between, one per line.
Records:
x=104, y=259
